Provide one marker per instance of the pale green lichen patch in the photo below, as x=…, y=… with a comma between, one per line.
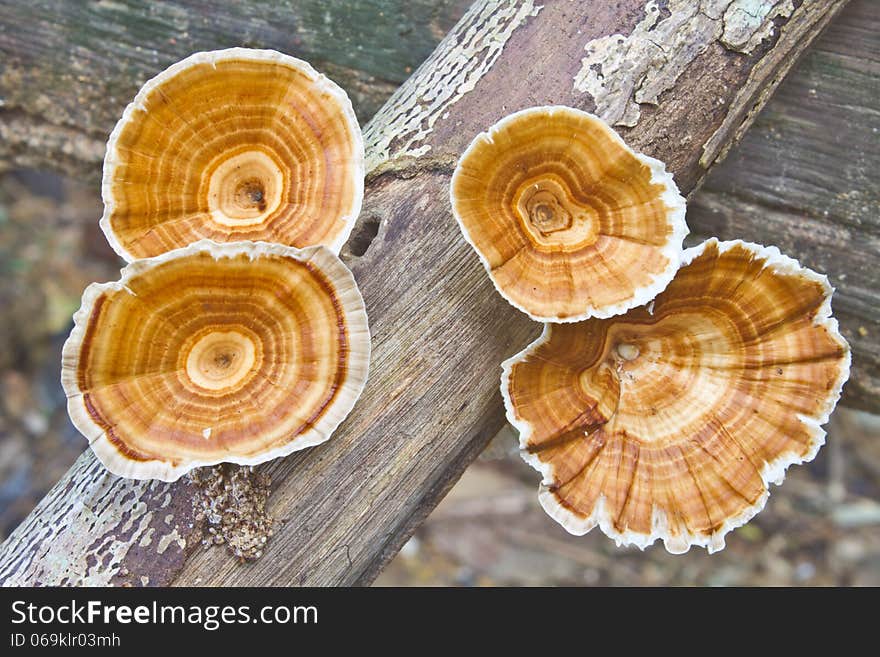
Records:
x=748, y=22
x=622, y=72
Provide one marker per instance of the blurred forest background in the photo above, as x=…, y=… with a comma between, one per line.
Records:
x=822, y=527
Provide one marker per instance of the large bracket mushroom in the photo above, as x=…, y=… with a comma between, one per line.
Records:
x=670, y=421
x=239, y=352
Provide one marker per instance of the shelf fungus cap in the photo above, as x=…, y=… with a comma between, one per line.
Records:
x=670, y=421
x=231, y=145
x=569, y=222
x=239, y=352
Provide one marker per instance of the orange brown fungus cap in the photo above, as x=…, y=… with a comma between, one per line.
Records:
x=568, y=221
x=237, y=352
x=670, y=421
x=233, y=145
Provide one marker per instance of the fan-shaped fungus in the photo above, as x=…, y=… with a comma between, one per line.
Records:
x=669, y=423
x=238, y=352
x=233, y=145
x=568, y=221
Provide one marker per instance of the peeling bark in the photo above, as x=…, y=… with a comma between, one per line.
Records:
x=453, y=70
x=626, y=71
x=439, y=329
x=93, y=528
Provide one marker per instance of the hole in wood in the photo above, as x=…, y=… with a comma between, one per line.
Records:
x=363, y=235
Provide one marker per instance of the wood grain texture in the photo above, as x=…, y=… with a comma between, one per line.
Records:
x=67, y=69
x=440, y=331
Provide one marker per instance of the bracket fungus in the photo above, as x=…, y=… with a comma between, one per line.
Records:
x=230, y=145
x=569, y=222
x=238, y=352
x=670, y=422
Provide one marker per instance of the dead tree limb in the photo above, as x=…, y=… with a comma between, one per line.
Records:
x=681, y=81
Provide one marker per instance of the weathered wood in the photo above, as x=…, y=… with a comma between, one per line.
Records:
x=440, y=331
x=805, y=178
x=67, y=69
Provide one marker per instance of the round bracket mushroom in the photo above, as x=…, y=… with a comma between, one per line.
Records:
x=229, y=145
x=670, y=421
x=239, y=352
x=569, y=222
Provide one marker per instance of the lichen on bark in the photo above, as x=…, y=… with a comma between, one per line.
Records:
x=622, y=72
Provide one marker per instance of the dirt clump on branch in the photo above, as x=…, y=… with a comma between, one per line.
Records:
x=231, y=505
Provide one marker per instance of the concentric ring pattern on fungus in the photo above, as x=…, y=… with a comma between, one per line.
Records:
x=569, y=222
x=231, y=145
x=670, y=421
x=238, y=352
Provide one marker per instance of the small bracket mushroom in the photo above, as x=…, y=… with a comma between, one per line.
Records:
x=229, y=145
x=568, y=221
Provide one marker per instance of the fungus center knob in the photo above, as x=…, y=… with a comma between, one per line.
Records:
x=546, y=213
x=245, y=189
x=221, y=360
x=553, y=217
x=627, y=351
x=250, y=195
